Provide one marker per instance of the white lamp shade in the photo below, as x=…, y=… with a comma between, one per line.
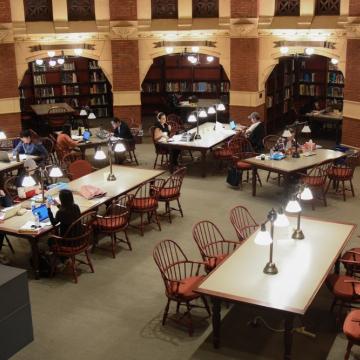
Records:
x=83, y=112
x=334, y=61
x=55, y=172
x=91, y=116
x=306, y=129
x=293, y=206
x=192, y=118
x=60, y=61
x=309, y=51
x=263, y=237
x=284, y=50
x=52, y=63
x=119, y=147
x=209, y=59
x=202, y=114
x=2, y=135
x=306, y=194
x=78, y=52
x=286, y=133
x=281, y=221
x=195, y=49
x=28, y=180
x=51, y=53
x=169, y=50
x=100, y=155
x=39, y=62
x=220, y=107
x=211, y=110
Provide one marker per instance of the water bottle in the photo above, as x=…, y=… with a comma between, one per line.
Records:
x=33, y=205
x=271, y=153
x=36, y=220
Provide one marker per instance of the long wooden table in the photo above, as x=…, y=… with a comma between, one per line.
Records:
x=93, y=143
x=302, y=264
x=209, y=139
x=290, y=165
x=127, y=179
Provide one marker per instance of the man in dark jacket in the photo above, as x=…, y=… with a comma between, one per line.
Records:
x=256, y=132
x=121, y=129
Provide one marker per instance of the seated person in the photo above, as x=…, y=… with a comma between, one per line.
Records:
x=256, y=132
x=121, y=129
x=5, y=201
x=285, y=143
x=28, y=147
x=64, y=141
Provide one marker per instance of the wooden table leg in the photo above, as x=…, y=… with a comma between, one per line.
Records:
x=254, y=172
x=216, y=321
x=35, y=257
x=288, y=335
x=203, y=163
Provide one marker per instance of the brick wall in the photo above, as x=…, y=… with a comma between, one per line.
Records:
x=352, y=84
x=244, y=64
x=131, y=113
x=123, y=10
x=240, y=113
x=125, y=59
x=354, y=8
x=8, y=77
x=5, y=12
x=351, y=132
x=10, y=124
x=244, y=8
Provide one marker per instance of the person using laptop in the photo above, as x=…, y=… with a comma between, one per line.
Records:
x=64, y=141
x=121, y=129
x=256, y=132
x=5, y=201
x=29, y=147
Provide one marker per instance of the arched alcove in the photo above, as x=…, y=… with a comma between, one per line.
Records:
x=79, y=82
x=296, y=83
x=174, y=75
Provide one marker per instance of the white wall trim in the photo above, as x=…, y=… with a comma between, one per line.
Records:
x=351, y=109
x=10, y=105
x=126, y=98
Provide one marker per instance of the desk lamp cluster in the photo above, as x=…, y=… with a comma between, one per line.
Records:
x=279, y=219
x=296, y=126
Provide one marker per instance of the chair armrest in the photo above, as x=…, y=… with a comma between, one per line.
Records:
x=353, y=252
x=352, y=262
x=352, y=281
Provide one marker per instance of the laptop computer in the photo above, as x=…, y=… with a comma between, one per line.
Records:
x=86, y=135
x=42, y=212
x=4, y=156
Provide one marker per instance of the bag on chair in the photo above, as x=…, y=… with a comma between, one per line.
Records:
x=233, y=177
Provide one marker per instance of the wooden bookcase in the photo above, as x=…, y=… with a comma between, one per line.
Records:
x=298, y=81
x=79, y=82
x=174, y=74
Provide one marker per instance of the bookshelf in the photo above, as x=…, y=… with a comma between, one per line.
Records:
x=174, y=74
x=79, y=82
x=296, y=82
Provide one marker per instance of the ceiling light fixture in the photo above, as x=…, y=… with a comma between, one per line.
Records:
x=51, y=53
x=309, y=51
x=284, y=50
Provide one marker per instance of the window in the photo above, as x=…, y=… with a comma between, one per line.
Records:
x=205, y=8
x=327, y=7
x=287, y=8
x=38, y=10
x=81, y=10
x=164, y=9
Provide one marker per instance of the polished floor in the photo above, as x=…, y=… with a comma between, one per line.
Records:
x=115, y=312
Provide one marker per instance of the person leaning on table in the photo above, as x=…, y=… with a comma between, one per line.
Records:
x=28, y=147
x=64, y=141
x=5, y=201
x=256, y=132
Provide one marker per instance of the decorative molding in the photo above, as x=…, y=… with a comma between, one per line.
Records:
x=287, y=7
x=126, y=98
x=247, y=98
x=4, y=33
x=80, y=10
x=38, y=10
x=205, y=8
x=124, y=32
x=327, y=7
x=164, y=9
x=243, y=30
x=353, y=30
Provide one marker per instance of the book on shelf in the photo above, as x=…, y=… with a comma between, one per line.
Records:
x=98, y=100
x=70, y=90
x=68, y=66
x=225, y=87
x=97, y=77
x=98, y=89
x=93, y=65
x=151, y=87
x=308, y=77
x=310, y=90
x=178, y=86
x=334, y=91
x=46, y=101
x=101, y=112
x=203, y=86
x=269, y=102
x=73, y=102
x=69, y=77
x=39, y=79
x=44, y=92
x=335, y=78
x=289, y=79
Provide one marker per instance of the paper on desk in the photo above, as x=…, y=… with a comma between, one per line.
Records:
x=29, y=226
x=76, y=137
x=176, y=137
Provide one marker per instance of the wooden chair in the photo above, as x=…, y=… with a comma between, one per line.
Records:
x=79, y=168
x=316, y=181
x=76, y=241
x=211, y=243
x=70, y=158
x=170, y=190
x=269, y=142
x=243, y=222
x=7, y=144
x=11, y=188
x=351, y=330
x=115, y=220
x=159, y=150
x=244, y=166
x=57, y=118
x=342, y=173
x=145, y=201
x=50, y=148
x=130, y=148
x=181, y=277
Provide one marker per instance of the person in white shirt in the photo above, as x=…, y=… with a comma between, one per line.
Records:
x=256, y=131
x=255, y=121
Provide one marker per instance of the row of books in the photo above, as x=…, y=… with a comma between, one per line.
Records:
x=73, y=102
x=308, y=77
x=39, y=79
x=69, y=77
x=310, y=90
x=101, y=112
x=98, y=89
x=289, y=79
x=70, y=90
x=98, y=100
x=334, y=91
x=151, y=87
x=46, y=101
x=180, y=86
x=67, y=66
x=93, y=64
x=44, y=92
x=96, y=76
x=335, y=78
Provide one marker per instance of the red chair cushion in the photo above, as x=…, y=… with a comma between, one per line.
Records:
x=223, y=152
x=340, y=172
x=110, y=223
x=352, y=325
x=340, y=288
x=187, y=286
x=313, y=180
x=144, y=203
x=169, y=193
x=243, y=165
x=213, y=262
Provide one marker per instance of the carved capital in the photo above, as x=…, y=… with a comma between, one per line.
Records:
x=124, y=32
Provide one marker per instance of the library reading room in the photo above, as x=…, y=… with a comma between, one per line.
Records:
x=179, y=179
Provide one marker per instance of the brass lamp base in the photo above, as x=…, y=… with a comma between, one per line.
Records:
x=270, y=268
x=197, y=136
x=298, y=235
x=296, y=155
x=111, y=177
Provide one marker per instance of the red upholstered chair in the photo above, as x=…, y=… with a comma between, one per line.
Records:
x=70, y=158
x=316, y=181
x=115, y=220
x=145, y=201
x=79, y=168
x=342, y=173
x=244, y=166
x=76, y=241
x=352, y=331
x=181, y=277
x=242, y=221
x=170, y=190
x=159, y=150
x=211, y=243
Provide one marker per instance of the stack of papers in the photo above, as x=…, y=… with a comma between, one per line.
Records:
x=30, y=227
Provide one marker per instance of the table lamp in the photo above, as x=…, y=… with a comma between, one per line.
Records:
x=83, y=112
x=214, y=110
x=293, y=207
x=2, y=135
x=100, y=155
x=296, y=126
x=194, y=117
x=91, y=115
